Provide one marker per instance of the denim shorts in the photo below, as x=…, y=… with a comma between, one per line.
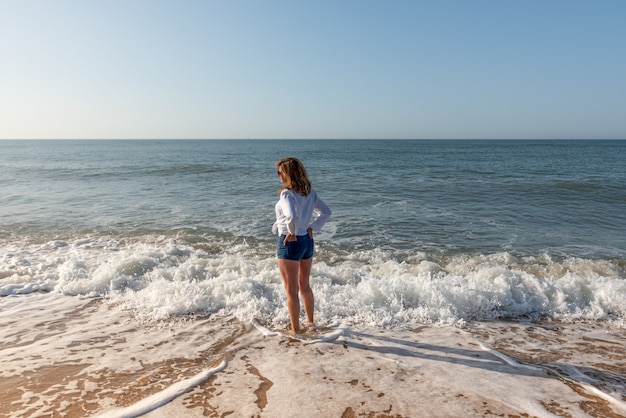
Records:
x=301, y=249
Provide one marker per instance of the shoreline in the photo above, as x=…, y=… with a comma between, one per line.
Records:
x=84, y=358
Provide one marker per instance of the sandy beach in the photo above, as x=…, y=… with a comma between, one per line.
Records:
x=71, y=357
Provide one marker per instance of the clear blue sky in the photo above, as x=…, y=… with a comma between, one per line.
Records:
x=312, y=69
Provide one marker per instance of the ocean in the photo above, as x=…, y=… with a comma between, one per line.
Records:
x=444, y=234
x=421, y=231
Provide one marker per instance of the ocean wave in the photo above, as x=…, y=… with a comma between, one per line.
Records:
x=163, y=277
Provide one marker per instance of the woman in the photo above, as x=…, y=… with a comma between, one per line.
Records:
x=295, y=226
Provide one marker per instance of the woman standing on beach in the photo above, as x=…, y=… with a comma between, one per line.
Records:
x=294, y=215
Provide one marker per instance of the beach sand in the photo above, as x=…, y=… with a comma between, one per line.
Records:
x=72, y=357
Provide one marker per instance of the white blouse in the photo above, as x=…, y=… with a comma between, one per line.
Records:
x=294, y=213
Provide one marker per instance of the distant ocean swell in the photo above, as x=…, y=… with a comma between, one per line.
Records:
x=172, y=276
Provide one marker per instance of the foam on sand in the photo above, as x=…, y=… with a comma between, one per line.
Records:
x=66, y=356
x=309, y=336
x=159, y=399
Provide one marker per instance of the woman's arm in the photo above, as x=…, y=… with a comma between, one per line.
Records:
x=323, y=212
x=288, y=208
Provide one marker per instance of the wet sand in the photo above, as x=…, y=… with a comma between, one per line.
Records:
x=79, y=358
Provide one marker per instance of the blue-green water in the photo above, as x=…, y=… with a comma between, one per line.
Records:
x=529, y=197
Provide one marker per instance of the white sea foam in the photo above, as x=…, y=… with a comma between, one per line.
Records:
x=159, y=399
x=158, y=278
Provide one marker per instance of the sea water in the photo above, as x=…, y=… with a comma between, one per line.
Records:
x=421, y=232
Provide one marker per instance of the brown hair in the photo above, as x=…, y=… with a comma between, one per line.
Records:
x=295, y=176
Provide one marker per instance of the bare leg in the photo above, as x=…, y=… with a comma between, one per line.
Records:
x=305, y=288
x=289, y=272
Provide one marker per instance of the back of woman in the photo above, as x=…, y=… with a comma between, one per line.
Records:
x=299, y=212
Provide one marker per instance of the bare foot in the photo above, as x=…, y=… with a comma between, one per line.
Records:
x=295, y=332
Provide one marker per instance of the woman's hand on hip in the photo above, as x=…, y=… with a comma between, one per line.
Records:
x=290, y=238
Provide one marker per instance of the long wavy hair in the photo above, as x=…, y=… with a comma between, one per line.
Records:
x=294, y=176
